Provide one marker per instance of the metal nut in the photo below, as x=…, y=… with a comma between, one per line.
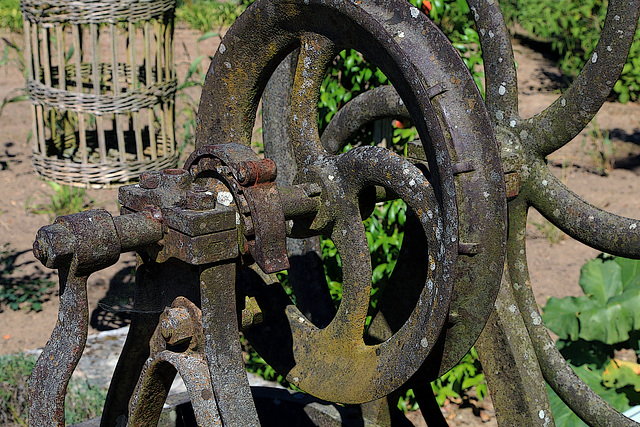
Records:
x=149, y=180
x=54, y=245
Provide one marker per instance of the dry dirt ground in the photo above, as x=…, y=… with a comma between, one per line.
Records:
x=555, y=267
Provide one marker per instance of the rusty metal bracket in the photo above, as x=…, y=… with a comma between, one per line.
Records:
x=252, y=182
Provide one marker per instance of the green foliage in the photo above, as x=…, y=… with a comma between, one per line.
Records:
x=608, y=312
x=592, y=326
x=10, y=15
x=19, y=291
x=550, y=232
x=572, y=27
x=64, y=201
x=83, y=401
x=462, y=377
x=598, y=145
x=14, y=371
x=256, y=364
x=206, y=15
x=351, y=74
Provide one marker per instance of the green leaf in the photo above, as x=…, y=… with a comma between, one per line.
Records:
x=208, y=35
x=601, y=279
x=194, y=66
x=561, y=316
x=630, y=272
x=610, y=324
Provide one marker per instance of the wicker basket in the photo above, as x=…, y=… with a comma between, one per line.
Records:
x=102, y=84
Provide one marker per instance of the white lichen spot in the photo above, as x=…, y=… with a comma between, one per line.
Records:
x=541, y=414
x=222, y=48
x=224, y=198
x=296, y=379
x=512, y=123
x=512, y=308
x=563, y=102
x=594, y=58
x=556, y=212
x=545, y=182
x=537, y=320
x=502, y=90
x=499, y=115
x=414, y=12
x=633, y=226
x=491, y=34
x=500, y=60
x=591, y=218
x=454, y=238
x=609, y=49
x=617, y=17
x=486, y=195
x=516, y=286
x=301, y=319
x=430, y=214
x=412, y=182
x=482, y=31
x=424, y=343
x=330, y=177
x=237, y=218
x=227, y=64
x=400, y=34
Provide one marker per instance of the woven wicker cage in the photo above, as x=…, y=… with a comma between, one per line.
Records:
x=102, y=86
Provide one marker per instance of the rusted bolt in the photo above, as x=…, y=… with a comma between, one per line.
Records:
x=54, y=245
x=175, y=178
x=200, y=200
x=255, y=172
x=149, y=180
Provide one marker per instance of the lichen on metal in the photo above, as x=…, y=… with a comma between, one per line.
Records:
x=210, y=236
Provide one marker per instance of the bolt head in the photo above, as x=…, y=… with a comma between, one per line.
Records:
x=149, y=180
x=54, y=245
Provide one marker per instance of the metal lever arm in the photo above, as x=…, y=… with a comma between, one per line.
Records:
x=78, y=245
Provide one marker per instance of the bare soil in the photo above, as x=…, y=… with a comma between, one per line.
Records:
x=555, y=266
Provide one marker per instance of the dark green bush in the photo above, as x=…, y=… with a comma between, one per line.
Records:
x=572, y=28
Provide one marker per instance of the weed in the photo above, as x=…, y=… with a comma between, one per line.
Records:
x=598, y=145
x=14, y=372
x=20, y=292
x=572, y=28
x=12, y=55
x=10, y=15
x=64, y=201
x=83, y=400
x=550, y=232
x=207, y=15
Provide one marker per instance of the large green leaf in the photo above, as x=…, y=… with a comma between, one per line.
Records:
x=561, y=315
x=630, y=273
x=601, y=279
x=608, y=311
x=610, y=323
